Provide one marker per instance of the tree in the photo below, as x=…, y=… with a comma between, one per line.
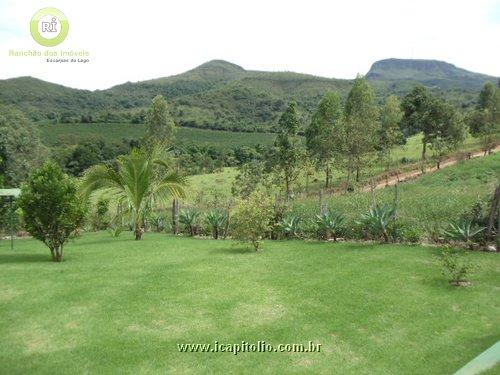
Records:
x=486, y=96
x=287, y=147
x=484, y=121
x=415, y=107
x=251, y=219
x=389, y=133
x=52, y=209
x=360, y=128
x=448, y=130
x=140, y=180
x=160, y=127
x=322, y=135
x=19, y=142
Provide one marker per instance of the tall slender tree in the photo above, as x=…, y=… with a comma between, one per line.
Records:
x=360, y=128
x=287, y=148
x=160, y=127
x=389, y=133
x=323, y=139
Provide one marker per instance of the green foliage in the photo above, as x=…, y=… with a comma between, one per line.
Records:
x=377, y=221
x=323, y=139
x=19, y=142
x=52, y=209
x=218, y=222
x=463, y=231
x=456, y=265
x=329, y=224
x=288, y=151
x=140, y=181
x=251, y=219
x=100, y=219
x=189, y=218
x=441, y=125
x=251, y=176
x=487, y=96
x=360, y=129
x=158, y=222
x=415, y=105
x=220, y=95
x=290, y=226
x=160, y=127
x=389, y=133
x=484, y=121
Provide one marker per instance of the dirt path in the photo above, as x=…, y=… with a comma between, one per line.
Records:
x=412, y=175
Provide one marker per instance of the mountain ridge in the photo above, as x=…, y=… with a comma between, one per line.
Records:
x=221, y=95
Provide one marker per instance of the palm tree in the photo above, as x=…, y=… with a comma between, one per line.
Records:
x=141, y=180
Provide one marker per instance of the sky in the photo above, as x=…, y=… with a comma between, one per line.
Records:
x=139, y=40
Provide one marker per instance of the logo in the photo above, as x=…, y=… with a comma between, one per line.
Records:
x=49, y=27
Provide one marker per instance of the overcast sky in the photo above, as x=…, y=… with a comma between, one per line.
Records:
x=132, y=40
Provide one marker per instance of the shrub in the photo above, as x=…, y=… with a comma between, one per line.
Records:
x=377, y=221
x=251, y=219
x=290, y=226
x=217, y=222
x=329, y=224
x=404, y=232
x=100, y=219
x=189, y=218
x=52, y=209
x=456, y=265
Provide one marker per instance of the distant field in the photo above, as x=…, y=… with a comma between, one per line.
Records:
x=221, y=182
x=75, y=133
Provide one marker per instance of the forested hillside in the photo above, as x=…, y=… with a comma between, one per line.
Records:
x=222, y=95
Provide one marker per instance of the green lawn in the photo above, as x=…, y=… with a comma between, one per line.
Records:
x=75, y=133
x=121, y=306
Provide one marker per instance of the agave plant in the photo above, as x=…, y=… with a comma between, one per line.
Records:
x=463, y=231
x=290, y=226
x=378, y=219
x=217, y=221
x=158, y=221
x=189, y=219
x=329, y=224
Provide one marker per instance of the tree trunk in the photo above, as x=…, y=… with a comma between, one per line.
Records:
x=438, y=164
x=287, y=187
x=57, y=254
x=138, y=232
x=175, y=216
x=386, y=236
x=424, y=152
x=357, y=173
x=327, y=183
x=494, y=211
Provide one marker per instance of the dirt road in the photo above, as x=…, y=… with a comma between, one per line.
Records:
x=412, y=175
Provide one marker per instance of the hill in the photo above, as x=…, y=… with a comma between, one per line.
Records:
x=224, y=96
x=430, y=73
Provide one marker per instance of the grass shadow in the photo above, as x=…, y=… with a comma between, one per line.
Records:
x=14, y=257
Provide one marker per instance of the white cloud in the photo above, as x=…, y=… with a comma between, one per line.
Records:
x=137, y=40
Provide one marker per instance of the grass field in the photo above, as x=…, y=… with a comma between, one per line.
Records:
x=121, y=306
x=75, y=133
